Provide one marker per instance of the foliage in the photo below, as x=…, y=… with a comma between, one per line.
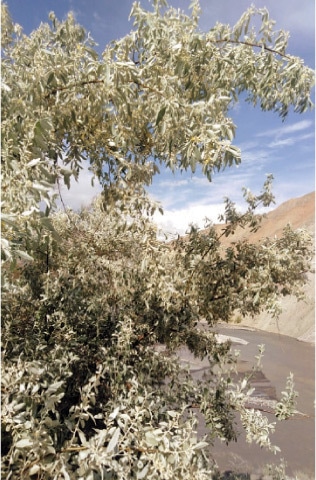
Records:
x=286, y=406
x=81, y=374
x=88, y=295
x=161, y=94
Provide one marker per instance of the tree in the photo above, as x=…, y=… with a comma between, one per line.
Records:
x=161, y=94
x=85, y=395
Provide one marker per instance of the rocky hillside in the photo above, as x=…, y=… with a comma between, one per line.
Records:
x=298, y=318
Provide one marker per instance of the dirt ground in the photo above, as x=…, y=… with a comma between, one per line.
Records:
x=296, y=436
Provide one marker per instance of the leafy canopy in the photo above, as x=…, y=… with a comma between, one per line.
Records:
x=161, y=94
x=85, y=392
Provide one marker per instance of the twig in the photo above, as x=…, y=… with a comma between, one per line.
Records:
x=255, y=45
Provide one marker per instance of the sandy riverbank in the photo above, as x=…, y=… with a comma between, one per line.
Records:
x=295, y=437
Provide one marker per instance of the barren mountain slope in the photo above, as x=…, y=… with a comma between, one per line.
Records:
x=298, y=212
x=298, y=318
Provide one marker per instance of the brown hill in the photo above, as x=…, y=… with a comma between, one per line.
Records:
x=297, y=318
x=298, y=212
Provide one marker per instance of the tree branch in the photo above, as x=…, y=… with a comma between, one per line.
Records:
x=254, y=45
x=53, y=91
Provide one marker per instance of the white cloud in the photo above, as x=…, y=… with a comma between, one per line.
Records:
x=80, y=193
x=177, y=221
x=286, y=129
x=289, y=141
x=199, y=199
x=281, y=143
x=255, y=158
x=174, y=183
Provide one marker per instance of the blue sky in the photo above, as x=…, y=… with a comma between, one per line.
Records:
x=268, y=145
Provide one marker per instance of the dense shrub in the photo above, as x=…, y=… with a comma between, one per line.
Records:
x=87, y=296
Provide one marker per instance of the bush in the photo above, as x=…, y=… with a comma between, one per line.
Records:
x=88, y=295
x=85, y=393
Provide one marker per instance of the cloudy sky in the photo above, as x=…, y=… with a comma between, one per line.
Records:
x=287, y=150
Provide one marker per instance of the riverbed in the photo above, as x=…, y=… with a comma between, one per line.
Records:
x=296, y=436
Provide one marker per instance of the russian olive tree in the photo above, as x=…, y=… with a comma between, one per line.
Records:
x=88, y=295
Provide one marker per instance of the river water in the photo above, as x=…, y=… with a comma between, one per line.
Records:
x=296, y=436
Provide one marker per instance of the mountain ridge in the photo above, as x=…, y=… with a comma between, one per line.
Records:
x=297, y=318
x=298, y=212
